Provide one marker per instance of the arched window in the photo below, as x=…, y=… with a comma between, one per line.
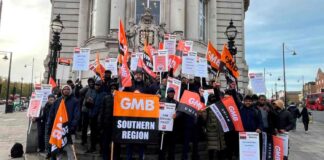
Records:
x=202, y=19
x=155, y=6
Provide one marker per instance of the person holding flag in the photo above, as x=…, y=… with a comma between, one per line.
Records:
x=62, y=122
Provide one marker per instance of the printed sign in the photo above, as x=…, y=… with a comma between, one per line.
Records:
x=136, y=117
x=278, y=148
x=190, y=103
x=187, y=47
x=160, y=61
x=257, y=83
x=249, y=146
x=34, y=107
x=134, y=62
x=188, y=65
x=201, y=69
x=176, y=85
x=232, y=109
x=63, y=69
x=285, y=138
x=81, y=59
x=167, y=110
x=170, y=46
x=46, y=90
x=111, y=64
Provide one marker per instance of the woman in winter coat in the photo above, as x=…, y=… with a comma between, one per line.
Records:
x=305, y=118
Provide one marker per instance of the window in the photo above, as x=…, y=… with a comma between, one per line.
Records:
x=202, y=19
x=154, y=6
x=92, y=11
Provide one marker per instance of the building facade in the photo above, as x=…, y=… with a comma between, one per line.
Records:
x=94, y=24
x=319, y=81
x=309, y=88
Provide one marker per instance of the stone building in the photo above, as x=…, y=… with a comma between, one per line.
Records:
x=309, y=88
x=94, y=24
x=319, y=81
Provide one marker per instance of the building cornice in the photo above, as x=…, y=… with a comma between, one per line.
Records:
x=246, y=5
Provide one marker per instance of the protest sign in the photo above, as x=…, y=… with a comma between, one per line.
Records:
x=34, y=108
x=176, y=85
x=249, y=146
x=63, y=69
x=285, y=138
x=160, y=61
x=81, y=59
x=257, y=83
x=234, y=113
x=222, y=109
x=190, y=103
x=136, y=118
x=111, y=64
x=134, y=62
x=170, y=46
x=188, y=64
x=46, y=90
x=278, y=148
x=187, y=47
x=201, y=69
x=167, y=111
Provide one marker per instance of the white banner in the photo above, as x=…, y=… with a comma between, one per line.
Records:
x=249, y=146
x=257, y=83
x=201, y=68
x=188, y=65
x=111, y=64
x=167, y=110
x=81, y=59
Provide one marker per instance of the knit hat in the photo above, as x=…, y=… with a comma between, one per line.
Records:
x=170, y=90
x=279, y=103
x=248, y=97
x=51, y=96
x=68, y=87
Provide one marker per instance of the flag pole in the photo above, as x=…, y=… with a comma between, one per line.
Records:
x=112, y=151
x=161, y=147
x=74, y=153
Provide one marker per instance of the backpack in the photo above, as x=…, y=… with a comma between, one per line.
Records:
x=17, y=150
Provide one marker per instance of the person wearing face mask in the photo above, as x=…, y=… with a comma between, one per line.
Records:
x=72, y=109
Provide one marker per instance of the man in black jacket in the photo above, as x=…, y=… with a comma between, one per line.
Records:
x=295, y=113
x=284, y=121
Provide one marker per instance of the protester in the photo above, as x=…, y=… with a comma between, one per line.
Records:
x=72, y=109
x=46, y=112
x=251, y=117
x=305, y=118
x=267, y=113
x=295, y=113
x=107, y=81
x=215, y=135
x=163, y=86
x=98, y=101
x=284, y=121
x=88, y=93
x=169, y=137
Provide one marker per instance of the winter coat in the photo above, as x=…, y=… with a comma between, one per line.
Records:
x=215, y=134
x=105, y=117
x=284, y=120
x=88, y=93
x=294, y=111
x=98, y=103
x=305, y=114
x=251, y=118
x=140, y=86
x=72, y=108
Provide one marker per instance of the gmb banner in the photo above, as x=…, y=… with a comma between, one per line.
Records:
x=190, y=103
x=233, y=112
x=136, y=118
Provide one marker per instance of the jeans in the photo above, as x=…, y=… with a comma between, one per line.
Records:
x=130, y=148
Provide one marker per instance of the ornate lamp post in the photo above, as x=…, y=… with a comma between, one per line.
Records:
x=55, y=46
x=231, y=33
x=7, y=110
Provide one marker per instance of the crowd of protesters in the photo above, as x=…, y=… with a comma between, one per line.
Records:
x=91, y=108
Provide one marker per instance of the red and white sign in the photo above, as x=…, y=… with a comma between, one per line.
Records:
x=278, y=148
x=34, y=107
x=160, y=61
x=176, y=85
x=234, y=113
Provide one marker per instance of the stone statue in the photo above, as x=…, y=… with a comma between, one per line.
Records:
x=131, y=32
x=161, y=31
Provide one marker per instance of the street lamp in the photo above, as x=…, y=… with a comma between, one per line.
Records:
x=55, y=46
x=231, y=33
x=284, y=69
x=32, y=76
x=21, y=88
x=8, y=82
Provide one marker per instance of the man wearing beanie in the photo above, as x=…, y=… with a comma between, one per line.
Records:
x=72, y=108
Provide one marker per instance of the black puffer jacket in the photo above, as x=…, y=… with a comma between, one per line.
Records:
x=284, y=120
x=105, y=117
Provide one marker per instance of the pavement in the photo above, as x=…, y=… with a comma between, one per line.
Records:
x=13, y=127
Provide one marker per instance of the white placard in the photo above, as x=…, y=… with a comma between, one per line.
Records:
x=81, y=59
x=170, y=46
x=249, y=146
x=188, y=65
x=160, y=61
x=167, y=110
x=201, y=68
x=111, y=64
x=46, y=90
x=34, y=107
x=257, y=82
x=63, y=72
x=285, y=138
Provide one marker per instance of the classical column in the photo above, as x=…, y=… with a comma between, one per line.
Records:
x=192, y=20
x=212, y=22
x=117, y=12
x=177, y=15
x=101, y=18
x=83, y=22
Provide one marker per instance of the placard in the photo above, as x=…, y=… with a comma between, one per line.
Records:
x=257, y=83
x=167, y=111
x=46, y=90
x=81, y=59
x=160, y=61
x=111, y=64
x=134, y=62
x=188, y=65
x=285, y=138
x=34, y=107
x=176, y=85
x=249, y=146
x=201, y=68
x=63, y=69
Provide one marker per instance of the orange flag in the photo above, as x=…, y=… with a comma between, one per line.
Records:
x=213, y=57
x=147, y=49
x=125, y=77
x=52, y=82
x=58, y=137
x=228, y=60
x=100, y=69
x=122, y=40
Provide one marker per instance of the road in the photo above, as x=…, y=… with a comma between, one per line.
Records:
x=13, y=127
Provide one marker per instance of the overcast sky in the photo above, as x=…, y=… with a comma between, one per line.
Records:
x=24, y=30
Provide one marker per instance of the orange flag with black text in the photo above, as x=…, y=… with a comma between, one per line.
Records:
x=125, y=76
x=52, y=82
x=229, y=61
x=234, y=113
x=58, y=137
x=100, y=69
x=213, y=57
x=122, y=40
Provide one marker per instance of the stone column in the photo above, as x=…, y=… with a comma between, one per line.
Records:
x=100, y=18
x=192, y=20
x=212, y=22
x=177, y=15
x=118, y=11
x=83, y=22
